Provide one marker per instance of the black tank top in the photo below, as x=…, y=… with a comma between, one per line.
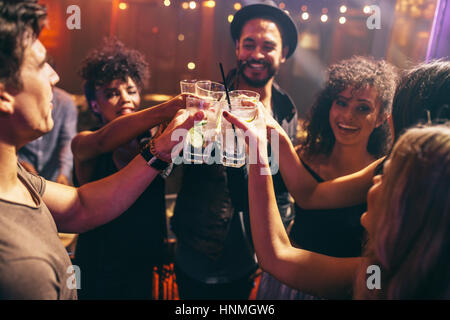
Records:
x=333, y=232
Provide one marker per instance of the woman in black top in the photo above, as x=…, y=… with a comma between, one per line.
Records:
x=117, y=259
x=346, y=131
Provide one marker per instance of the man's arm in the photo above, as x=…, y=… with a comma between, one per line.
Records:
x=77, y=210
x=90, y=144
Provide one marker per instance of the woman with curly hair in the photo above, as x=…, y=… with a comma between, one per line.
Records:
x=117, y=259
x=346, y=131
x=407, y=218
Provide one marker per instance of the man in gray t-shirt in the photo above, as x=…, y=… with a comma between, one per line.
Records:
x=33, y=263
x=30, y=245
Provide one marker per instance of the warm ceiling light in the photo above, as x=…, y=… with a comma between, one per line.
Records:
x=230, y=18
x=185, y=5
x=167, y=3
x=342, y=20
x=209, y=4
x=123, y=6
x=343, y=9
x=305, y=15
x=192, y=5
x=191, y=66
x=237, y=6
x=366, y=9
x=324, y=18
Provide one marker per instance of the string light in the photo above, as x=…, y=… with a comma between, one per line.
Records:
x=237, y=6
x=342, y=20
x=343, y=9
x=123, y=6
x=324, y=18
x=209, y=4
x=305, y=16
x=191, y=66
x=167, y=3
x=185, y=5
x=230, y=18
x=192, y=5
x=366, y=9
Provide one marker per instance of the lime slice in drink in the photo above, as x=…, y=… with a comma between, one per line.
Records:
x=195, y=138
x=250, y=120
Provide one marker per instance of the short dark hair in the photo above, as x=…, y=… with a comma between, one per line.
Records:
x=18, y=20
x=356, y=72
x=110, y=62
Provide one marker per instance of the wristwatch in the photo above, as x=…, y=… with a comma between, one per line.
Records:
x=152, y=160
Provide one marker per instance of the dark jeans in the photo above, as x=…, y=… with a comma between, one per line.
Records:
x=191, y=289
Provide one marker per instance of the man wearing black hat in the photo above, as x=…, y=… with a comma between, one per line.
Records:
x=215, y=257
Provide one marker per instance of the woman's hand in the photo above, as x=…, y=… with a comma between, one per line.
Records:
x=255, y=134
x=173, y=105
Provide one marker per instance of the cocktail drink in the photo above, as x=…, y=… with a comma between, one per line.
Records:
x=233, y=138
x=201, y=144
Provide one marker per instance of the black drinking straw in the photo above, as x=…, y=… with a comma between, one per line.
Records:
x=228, y=99
x=225, y=85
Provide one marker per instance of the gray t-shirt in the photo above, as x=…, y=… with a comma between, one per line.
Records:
x=33, y=262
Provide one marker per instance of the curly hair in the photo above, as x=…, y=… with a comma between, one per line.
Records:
x=422, y=96
x=356, y=72
x=19, y=22
x=110, y=62
x=409, y=240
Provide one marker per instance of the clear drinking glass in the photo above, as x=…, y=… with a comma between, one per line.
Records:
x=188, y=86
x=201, y=144
x=232, y=138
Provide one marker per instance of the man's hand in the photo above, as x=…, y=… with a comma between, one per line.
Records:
x=180, y=125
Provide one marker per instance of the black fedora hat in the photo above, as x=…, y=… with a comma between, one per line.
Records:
x=267, y=9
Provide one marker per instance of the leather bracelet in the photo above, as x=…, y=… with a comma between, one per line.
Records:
x=152, y=160
x=156, y=153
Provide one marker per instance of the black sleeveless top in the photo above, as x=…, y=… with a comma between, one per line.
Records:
x=333, y=232
x=117, y=258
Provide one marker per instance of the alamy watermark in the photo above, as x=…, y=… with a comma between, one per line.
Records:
x=212, y=152
x=74, y=280
x=74, y=20
x=374, y=20
x=374, y=279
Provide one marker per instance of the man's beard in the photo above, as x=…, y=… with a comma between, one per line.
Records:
x=271, y=71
